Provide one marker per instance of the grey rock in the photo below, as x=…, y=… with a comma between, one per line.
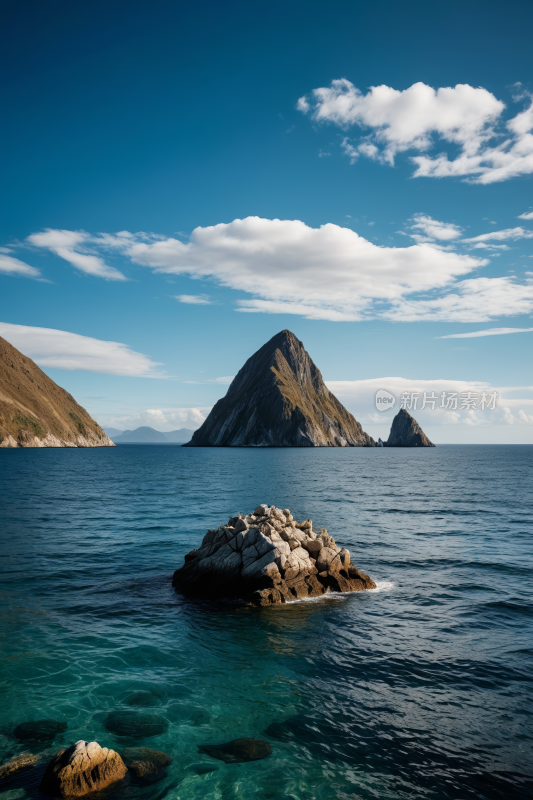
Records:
x=273, y=563
x=406, y=432
x=279, y=399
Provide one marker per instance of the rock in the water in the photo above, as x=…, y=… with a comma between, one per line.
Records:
x=144, y=763
x=406, y=432
x=135, y=725
x=278, y=399
x=39, y=730
x=238, y=750
x=17, y=764
x=269, y=562
x=82, y=768
x=142, y=698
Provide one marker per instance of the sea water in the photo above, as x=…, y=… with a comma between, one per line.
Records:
x=420, y=689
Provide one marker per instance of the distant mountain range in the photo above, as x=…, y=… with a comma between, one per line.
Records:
x=147, y=435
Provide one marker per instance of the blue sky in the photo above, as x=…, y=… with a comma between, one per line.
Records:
x=369, y=221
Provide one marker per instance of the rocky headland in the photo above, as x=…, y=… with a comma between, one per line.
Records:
x=36, y=412
x=279, y=399
x=406, y=432
x=266, y=558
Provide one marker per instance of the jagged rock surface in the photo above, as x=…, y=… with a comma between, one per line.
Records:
x=82, y=768
x=268, y=558
x=406, y=432
x=36, y=412
x=278, y=399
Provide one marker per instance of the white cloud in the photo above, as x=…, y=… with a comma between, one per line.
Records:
x=12, y=266
x=162, y=419
x=473, y=300
x=359, y=398
x=64, y=350
x=413, y=119
x=322, y=273
x=194, y=299
x=526, y=215
x=434, y=229
x=72, y=246
x=508, y=233
x=488, y=332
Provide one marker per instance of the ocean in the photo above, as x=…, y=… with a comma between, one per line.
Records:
x=421, y=688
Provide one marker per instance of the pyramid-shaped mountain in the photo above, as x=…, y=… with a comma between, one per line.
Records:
x=406, y=432
x=278, y=399
x=36, y=412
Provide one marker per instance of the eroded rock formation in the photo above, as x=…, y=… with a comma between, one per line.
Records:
x=406, y=432
x=268, y=558
x=278, y=399
x=82, y=768
x=36, y=412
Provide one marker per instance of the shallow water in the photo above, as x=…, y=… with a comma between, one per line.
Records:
x=420, y=689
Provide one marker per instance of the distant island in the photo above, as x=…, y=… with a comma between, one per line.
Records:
x=279, y=399
x=36, y=412
x=147, y=435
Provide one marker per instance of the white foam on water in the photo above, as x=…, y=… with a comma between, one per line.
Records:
x=381, y=586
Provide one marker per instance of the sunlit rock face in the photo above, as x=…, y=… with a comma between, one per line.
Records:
x=278, y=399
x=268, y=558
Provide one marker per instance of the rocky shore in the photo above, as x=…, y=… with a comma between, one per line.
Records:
x=267, y=558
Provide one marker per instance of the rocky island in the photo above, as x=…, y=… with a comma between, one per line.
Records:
x=36, y=412
x=279, y=399
x=406, y=432
x=267, y=558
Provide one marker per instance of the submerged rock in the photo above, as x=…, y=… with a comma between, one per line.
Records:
x=82, y=768
x=268, y=558
x=238, y=750
x=39, y=730
x=135, y=725
x=17, y=764
x=144, y=763
x=142, y=698
x=406, y=432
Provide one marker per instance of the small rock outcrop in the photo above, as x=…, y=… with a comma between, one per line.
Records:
x=238, y=750
x=279, y=399
x=82, y=768
x=36, y=412
x=406, y=432
x=268, y=558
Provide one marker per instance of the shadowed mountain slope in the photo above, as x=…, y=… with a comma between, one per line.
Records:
x=278, y=399
x=406, y=432
x=36, y=412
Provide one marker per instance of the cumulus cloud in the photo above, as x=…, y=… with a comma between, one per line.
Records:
x=526, y=215
x=419, y=117
x=435, y=402
x=70, y=351
x=194, y=299
x=321, y=273
x=488, y=332
x=74, y=247
x=428, y=229
x=12, y=266
x=162, y=419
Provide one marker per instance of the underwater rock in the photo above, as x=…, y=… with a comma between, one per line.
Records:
x=238, y=750
x=17, y=764
x=135, y=725
x=82, y=768
x=143, y=698
x=39, y=730
x=268, y=558
x=144, y=763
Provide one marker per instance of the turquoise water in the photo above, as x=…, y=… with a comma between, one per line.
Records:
x=421, y=689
